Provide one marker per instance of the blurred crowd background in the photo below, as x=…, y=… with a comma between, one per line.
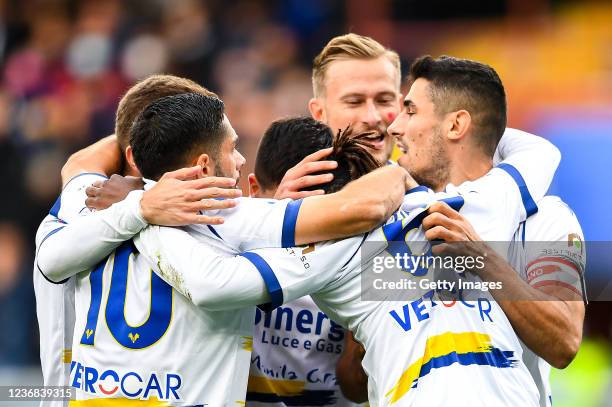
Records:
x=65, y=64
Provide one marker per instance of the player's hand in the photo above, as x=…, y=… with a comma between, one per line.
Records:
x=299, y=177
x=443, y=223
x=180, y=195
x=102, y=194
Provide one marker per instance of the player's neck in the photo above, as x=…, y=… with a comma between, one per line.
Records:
x=129, y=171
x=468, y=165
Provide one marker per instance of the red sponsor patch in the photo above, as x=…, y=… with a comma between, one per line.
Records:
x=542, y=270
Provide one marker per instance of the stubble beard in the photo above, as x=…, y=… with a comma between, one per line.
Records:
x=220, y=173
x=437, y=174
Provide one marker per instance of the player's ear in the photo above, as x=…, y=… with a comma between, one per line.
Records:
x=206, y=163
x=254, y=188
x=459, y=124
x=129, y=158
x=315, y=106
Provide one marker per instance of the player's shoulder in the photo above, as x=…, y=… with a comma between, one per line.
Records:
x=554, y=204
x=551, y=208
x=553, y=221
x=83, y=180
x=71, y=201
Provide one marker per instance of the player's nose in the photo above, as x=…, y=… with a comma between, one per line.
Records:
x=393, y=130
x=371, y=116
x=240, y=161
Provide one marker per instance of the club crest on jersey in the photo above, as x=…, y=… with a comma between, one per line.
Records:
x=574, y=240
x=128, y=384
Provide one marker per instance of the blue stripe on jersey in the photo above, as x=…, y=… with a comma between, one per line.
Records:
x=455, y=202
x=289, y=221
x=214, y=232
x=358, y=248
x=491, y=357
x=274, y=287
x=95, y=283
x=54, y=231
x=56, y=207
x=418, y=188
x=528, y=202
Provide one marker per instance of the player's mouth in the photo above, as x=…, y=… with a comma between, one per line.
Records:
x=376, y=141
x=402, y=147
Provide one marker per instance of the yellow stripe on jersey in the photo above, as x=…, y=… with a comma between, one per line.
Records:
x=117, y=402
x=258, y=384
x=464, y=348
x=247, y=343
x=67, y=355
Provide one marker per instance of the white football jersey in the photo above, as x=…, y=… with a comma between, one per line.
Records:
x=55, y=302
x=468, y=345
x=409, y=344
x=136, y=338
x=493, y=202
x=295, y=351
x=415, y=343
x=541, y=261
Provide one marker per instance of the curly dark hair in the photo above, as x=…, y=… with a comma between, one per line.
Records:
x=288, y=141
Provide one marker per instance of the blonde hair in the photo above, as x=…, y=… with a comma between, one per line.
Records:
x=349, y=46
x=141, y=95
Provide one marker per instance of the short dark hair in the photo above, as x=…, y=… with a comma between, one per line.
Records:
x=172, y=129
x=464, y=84
x=288, y=141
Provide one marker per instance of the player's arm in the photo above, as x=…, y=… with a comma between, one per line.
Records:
x=262, y=223
x=208, y=279
x=546, y=313
x=69, y=248
x=103, y=157
x=214, y=282
x=352, y=379
x=102, y=194
x=360, y=206
x=548, y=320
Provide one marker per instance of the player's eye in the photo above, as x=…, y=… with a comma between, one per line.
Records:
x=385, y=101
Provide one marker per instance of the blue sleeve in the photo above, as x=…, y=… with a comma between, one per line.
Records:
x=528, y=203
x=289, y=221
x=274, y=287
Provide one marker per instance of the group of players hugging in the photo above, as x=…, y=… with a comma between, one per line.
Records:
x=157, y=283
